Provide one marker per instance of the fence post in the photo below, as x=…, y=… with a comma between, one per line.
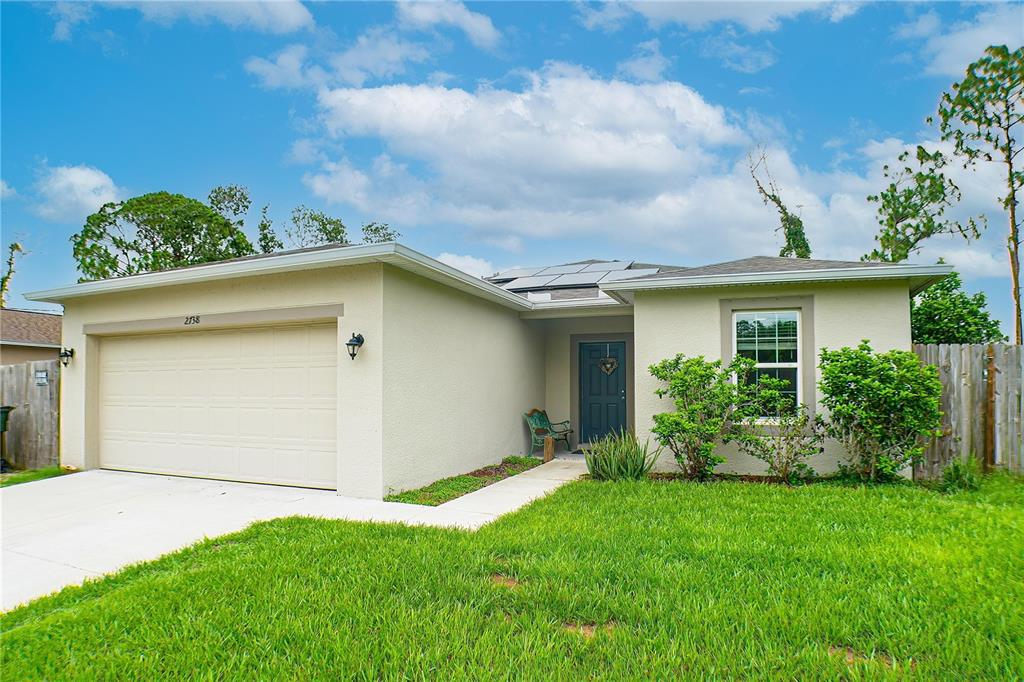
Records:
x=989, y=460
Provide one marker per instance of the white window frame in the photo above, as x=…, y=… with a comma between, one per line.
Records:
x=776, y=365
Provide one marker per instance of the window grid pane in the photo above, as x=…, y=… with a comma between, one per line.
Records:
x=771, y=340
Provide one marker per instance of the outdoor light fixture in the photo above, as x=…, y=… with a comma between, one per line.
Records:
x=65, y=355
x=354, y=344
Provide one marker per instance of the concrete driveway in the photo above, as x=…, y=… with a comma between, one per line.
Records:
x=61, y=531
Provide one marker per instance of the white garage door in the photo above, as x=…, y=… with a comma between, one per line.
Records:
x=254, y=404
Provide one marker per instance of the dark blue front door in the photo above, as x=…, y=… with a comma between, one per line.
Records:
x=602, y=389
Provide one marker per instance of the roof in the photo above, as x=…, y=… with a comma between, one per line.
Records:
x=580, y=285
x=766, y=264
x=576, y=280
x=775, y=270
x=29, y=327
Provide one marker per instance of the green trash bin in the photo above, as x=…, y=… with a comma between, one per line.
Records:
x=4, y=411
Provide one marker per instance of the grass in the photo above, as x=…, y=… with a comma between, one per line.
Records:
x=448, y=489
x=28, y=475
x=629, y=580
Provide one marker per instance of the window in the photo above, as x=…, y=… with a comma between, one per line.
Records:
x=771, y=339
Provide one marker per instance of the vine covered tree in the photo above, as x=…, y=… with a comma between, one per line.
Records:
x=911, y=208
x=981, y=116
x=792, y=227
x=13, y=249
x=945, y=313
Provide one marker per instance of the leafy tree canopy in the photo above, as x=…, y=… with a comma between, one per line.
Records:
x=310, y=227
x=945, y=313
x=154, y=232
x=911, y=208
x=379, y=233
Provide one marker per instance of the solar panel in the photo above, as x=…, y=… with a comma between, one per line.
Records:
x=518, y=272
x=577, y=279
x=562, y=269
x=628, y=274
x=522, y=283
x=605, y=267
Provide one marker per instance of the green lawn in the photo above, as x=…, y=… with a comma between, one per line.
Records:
x=653, y=580
x=448, y=489
x=16, y=477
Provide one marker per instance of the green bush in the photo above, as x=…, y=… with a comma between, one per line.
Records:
x=620, y=457
x=881, y=406
x=960, y=475
x=786, y=442
x=711, y=402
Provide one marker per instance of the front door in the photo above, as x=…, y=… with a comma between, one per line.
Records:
x=602, y=389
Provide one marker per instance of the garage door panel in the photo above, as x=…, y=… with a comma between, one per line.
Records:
x=251, y=405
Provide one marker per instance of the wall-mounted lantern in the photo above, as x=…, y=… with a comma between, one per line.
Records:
x=354, y=344
x=65, y=355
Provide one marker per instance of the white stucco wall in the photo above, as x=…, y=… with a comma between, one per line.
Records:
x=360, y=388
x=459, y=372
x=689, y=322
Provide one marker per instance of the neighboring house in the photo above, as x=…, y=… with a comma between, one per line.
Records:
x=240, y=370
x=28, y=335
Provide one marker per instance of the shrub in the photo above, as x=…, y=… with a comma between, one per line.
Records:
x=620, y=457
x=710, y=407
x=960, y=475
x=880, y=406
x=785, y=443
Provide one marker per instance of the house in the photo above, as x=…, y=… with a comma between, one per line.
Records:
x=28, y=335
x=374, y=368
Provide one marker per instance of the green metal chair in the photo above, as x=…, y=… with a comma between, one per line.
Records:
x=541, y=427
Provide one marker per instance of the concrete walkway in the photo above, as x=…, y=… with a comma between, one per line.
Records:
x=61, y=531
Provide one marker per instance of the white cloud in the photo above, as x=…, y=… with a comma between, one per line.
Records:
x=378, y=53
x=752, y=15
x=735, y=55
x=948, y=50
x=66, y=16
x=478, y=267
x=70, y=193
x=607, y=16
x=6, y=191
x=753, y=90
x=288, y=69
x=424, y=15
x=573, y=156
x=646, y=64
x=267, y=16
x=304, y=152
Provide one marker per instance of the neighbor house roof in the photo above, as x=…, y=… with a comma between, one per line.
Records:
x=29, y=327
x=773, y=269
x=580, y=284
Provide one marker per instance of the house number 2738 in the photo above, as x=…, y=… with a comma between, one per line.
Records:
x=191, y=319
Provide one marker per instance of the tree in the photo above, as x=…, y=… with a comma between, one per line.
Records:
x=268, y=240
x=792, y=226
x=379, y=233
x=911, y=208
x=154, y=232
x=231, y=201
x=13, y=249
x=981, y=117
x=313, y=228
x=945, y=313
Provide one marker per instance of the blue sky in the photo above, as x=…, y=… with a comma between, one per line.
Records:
x=492, y=134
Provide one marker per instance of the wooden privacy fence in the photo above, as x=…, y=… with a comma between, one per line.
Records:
x=33, y=389
x=982, y=405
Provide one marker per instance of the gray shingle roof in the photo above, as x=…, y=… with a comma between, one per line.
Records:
x=761, y=264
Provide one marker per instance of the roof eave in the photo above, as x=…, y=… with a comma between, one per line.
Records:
x=391, y=252
x=919, y=276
